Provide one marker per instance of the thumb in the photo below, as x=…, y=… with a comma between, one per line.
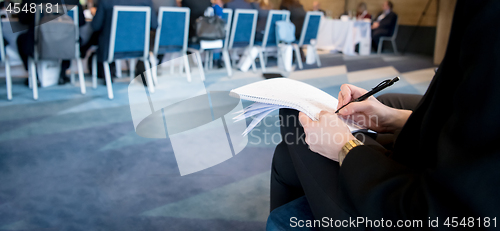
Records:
x=356, y=107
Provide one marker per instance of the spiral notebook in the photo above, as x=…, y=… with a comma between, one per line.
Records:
x=273, y=94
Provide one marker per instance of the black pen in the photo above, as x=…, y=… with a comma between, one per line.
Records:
x=381, y=86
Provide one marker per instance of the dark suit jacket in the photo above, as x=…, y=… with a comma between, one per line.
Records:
x=104, y=16
x=446, y=159
x=387, y=25
x=198, y=8
x=238, y=4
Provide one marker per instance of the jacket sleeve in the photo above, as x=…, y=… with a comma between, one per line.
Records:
x=461, y=176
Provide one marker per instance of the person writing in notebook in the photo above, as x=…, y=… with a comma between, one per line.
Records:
x=444, y=160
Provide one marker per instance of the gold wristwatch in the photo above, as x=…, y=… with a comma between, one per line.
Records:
x=347, y=148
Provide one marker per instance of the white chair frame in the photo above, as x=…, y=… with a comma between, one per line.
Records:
x=262, y=57
x=209, y=55
x=302, y=37
x=5, y=59
x=33, y=61
x=237, y=13
x=144, y=58
x=183, y=52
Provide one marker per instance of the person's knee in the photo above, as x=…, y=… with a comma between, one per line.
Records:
x=386, y=99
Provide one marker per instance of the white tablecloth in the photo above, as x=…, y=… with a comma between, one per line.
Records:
x=337, y=35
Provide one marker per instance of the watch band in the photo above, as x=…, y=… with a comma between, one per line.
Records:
x=347, y=148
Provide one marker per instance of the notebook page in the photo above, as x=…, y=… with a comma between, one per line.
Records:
x=289, y=93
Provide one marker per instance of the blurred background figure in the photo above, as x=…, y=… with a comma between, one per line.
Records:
x=362, y=12
x=317, y=7
x=26, y=41
x=159, y=3
x=197, y=8
x=297, y=14
x=384, y=24
x=263, y=7
x=239, y=4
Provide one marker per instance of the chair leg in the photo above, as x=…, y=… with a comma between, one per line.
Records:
x=318, y=61
x=379, y=50
x=172, y=63
x=107, y=76
x=154, y=68
x=186, y=65
x=211, y=60
x=232, y=59
x=297, y=55
x=200, y=65
x=254, y=66
x=72, y=72
x=118, y=67
x=207, y=59
x=132, y=63
x=149, y=80
x=394, y=46
x=34, y=83
x=81, y=76
x=262, y=63
x=8, y=78
x=94, y=72
x=227, y=62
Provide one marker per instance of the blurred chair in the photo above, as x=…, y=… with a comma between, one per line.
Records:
x=129, y=39
x=209, y=53
x=269, y=39
x=173, y=38
x=5, y=59
x=73, y=13
x=243, y=31
x=309, y=32
x=389, y=38
x=32, y=62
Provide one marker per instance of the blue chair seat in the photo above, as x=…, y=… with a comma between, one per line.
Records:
x=194, y=46
x=279, y=219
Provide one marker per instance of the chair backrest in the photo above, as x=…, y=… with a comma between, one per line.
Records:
x=227, y=15
x=73, y=13
x=243, y=28
x=270, y=32
x=129, y=32
x=172, y=37
x=396, y=27
x=2, y=45
x=311, y=27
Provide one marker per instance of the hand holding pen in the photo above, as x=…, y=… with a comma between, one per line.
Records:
x=369, y=112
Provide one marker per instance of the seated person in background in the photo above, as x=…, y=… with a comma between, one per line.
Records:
x=26, y=41
x=239, y=4
x=197, y=8
x=297, y=14
x=317, y=7
x=362, y=12
x=263, y=7
x=217, y=6
x=384, y=24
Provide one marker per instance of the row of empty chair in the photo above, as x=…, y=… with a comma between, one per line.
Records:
x=130, y=40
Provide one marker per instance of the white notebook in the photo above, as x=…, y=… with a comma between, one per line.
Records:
x=277, y=93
